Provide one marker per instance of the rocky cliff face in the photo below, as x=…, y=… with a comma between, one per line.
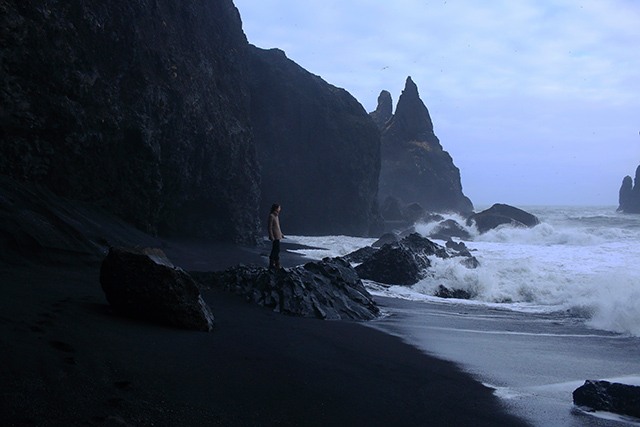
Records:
x=318, y=148
x=629, y=196
x=140, y=106
x=415, y=168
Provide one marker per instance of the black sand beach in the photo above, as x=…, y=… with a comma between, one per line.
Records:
x=67, y=359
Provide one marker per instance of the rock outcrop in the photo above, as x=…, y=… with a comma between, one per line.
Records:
x=143, y=283
x=405, y=262
x=610, y=397
x=329, y=289
x=415, y=168
x=318, y=148
x=500, y=214
x=141, y=107
x=629, y=196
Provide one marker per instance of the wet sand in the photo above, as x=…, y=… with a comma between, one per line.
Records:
x=68, y=359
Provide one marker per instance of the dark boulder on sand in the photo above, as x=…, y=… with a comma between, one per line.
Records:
x=611, y=397
x=143, y=283
x=500, y=214
x=404, y=262
x=329, y=289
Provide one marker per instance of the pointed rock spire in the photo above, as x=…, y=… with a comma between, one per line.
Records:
x=384, y=110
x=412, y=115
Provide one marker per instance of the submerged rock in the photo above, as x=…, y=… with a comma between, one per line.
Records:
x=500, y=214
x=611, y=397
x=329, y=289
x=143, y=283
x=444, y=292
x=449, y=228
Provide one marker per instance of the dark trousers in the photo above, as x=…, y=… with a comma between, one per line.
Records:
x=275, y=251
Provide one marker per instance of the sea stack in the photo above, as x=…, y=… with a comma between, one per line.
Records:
x=415, y=168
x=629, y=198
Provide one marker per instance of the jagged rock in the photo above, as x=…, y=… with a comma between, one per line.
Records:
x=444, y=292
x=384, y=239
x=143, y=283
x=415, y=168
x=500, y=214
x=394, y=265
x=629, y=196
x=142, y=107
x=360, y=255
x=404, y=262
x=400, y=263
x=384, y=110
x=329, y=289
x=447, y=229
x=611, y=397
x=318, y=148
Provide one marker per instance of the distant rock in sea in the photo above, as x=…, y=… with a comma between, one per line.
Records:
x=500, y=214
x=629, y=196
x=318, y=148
x=415, y=168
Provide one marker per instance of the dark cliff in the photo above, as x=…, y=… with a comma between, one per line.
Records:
x=141, y=107
x=415, y=168
x=318, y=148
x=629, y=196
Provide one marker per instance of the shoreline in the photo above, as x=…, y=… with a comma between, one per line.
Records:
x=69, y=360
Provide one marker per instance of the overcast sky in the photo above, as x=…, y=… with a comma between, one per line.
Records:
x=537, y=101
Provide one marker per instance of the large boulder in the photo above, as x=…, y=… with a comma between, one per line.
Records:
x=143, y=283
x=405, y=262
x=500, y=214
x=329, y=289
x=611, y=397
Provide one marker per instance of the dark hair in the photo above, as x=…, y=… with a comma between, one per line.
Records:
x=274, y=207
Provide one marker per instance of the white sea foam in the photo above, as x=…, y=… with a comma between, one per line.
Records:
x=580, y=260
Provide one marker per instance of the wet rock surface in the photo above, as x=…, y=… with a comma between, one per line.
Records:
x=404, y=262
x=329, y=289
x=611, y=397
x=500, y=214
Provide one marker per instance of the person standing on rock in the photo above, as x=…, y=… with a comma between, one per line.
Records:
x=275, y=235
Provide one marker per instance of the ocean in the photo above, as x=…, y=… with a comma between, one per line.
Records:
x=552, y=306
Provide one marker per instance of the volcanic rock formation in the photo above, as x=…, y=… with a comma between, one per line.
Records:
x=415, y=168
x=629, y=196
x=142, y=107
x=318, y=148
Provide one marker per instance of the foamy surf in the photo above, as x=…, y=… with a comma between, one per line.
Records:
x=579, y=260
